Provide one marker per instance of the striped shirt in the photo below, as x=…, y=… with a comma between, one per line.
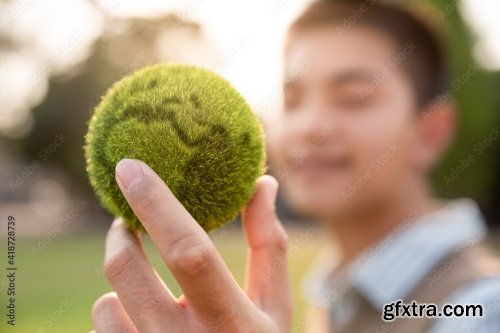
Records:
x=391, y=270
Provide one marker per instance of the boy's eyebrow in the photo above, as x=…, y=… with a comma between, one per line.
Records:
x=353, y=76
x=346, y=77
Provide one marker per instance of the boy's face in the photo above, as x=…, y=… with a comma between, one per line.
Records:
x=344, y=139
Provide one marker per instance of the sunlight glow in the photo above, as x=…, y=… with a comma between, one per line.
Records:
x=248, y=35
x=482, y=15
x=51, y=38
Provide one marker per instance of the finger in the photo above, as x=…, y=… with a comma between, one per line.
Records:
x=267, y=281
x=109, y=316
x=186, y=249
x=144, y=296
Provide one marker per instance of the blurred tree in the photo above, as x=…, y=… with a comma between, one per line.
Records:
x=129, y=44
x=471, y=167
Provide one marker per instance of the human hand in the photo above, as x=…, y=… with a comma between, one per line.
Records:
x=212, y=300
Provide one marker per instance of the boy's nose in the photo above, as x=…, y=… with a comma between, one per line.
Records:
x=317, y=126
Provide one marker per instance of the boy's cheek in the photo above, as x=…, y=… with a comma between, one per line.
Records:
x=278, y=142
x=317, y=198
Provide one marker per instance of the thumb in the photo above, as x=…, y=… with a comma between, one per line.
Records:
x=267, y=281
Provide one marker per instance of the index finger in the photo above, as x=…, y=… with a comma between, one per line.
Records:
x=183, y=244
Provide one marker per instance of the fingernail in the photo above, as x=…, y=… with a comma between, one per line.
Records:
x=129, y=173
x=273, y=190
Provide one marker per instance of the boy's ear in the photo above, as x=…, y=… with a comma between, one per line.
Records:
x=437, y=130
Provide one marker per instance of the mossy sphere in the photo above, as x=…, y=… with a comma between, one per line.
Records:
x=191, y=127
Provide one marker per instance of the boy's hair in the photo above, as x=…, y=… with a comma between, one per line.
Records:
x=425, y=64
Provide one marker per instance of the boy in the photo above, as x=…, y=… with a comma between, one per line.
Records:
x=368, y=121
x=359, y=132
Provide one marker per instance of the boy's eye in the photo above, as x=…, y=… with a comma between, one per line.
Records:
x=350, y=99
x=291, y=102
x=292, y=98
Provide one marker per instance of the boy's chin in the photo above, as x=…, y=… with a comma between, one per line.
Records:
x=324, y=207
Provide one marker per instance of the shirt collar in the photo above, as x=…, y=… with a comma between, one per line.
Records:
x=393, y=268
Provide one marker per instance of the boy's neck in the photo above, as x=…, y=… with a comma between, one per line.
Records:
x=357, y=234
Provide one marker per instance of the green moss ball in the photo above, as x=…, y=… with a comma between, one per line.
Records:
x=191, y=127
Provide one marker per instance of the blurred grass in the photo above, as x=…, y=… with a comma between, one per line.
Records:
x=57, y=287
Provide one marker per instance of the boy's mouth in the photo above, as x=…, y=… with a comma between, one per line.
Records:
x=317, y=167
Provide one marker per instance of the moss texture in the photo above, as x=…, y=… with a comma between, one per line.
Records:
x=191, y=127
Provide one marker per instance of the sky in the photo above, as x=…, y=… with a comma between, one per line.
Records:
x=57, y=35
